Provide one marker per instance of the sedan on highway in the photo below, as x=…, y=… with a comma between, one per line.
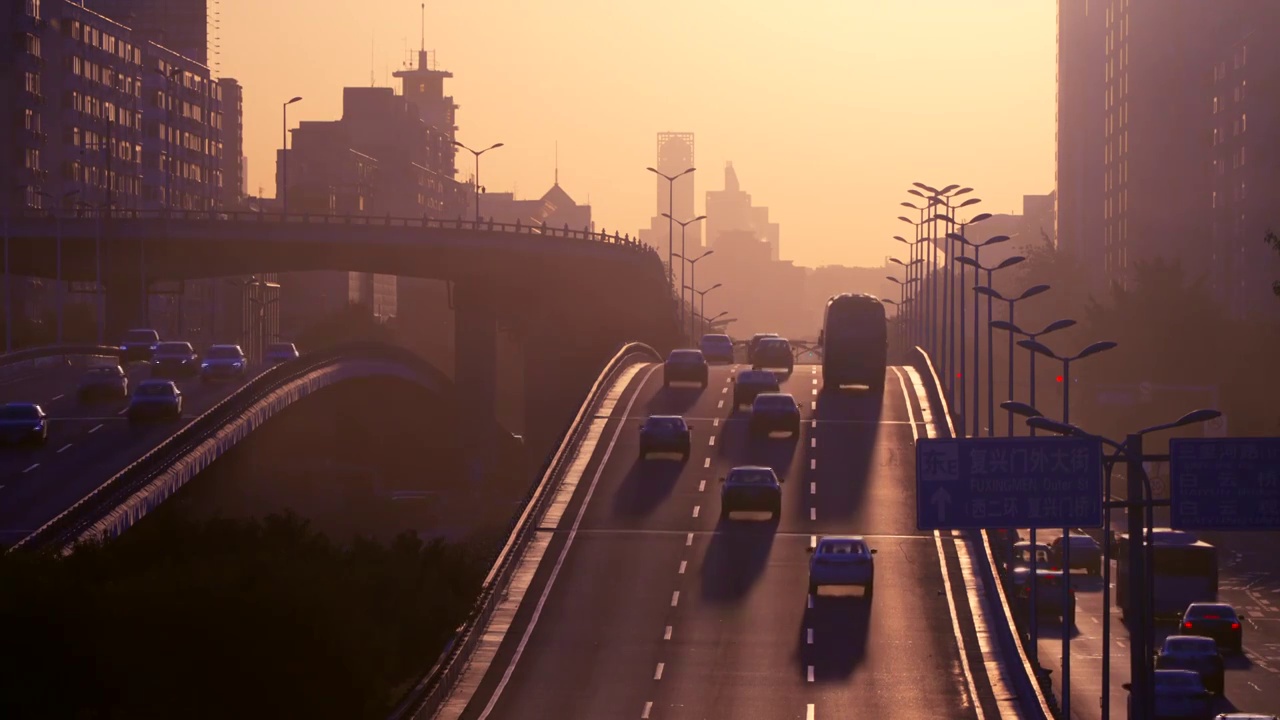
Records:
x=174, y=360
x=685, y=366
x=138, y=344
x=23, y=424
x=1020, y=555
x=1214, y=620
x=1179, y=695
x=223, y=362
x=717, y=348
x=664, y=434
x=774, y=353
x=106, y=382
x=279, y=352
x=1198, y=654
x=751, y=383
x=842, y=560
x=1048, y=594
x=155, y=399
x=754, y=343
x=750, y=488
x=774, y=412
x=1086, y=553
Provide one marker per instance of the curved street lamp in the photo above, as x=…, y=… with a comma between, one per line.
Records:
x=475, y=185
x=671, y=207
x=978, y=267
x=1008, y=326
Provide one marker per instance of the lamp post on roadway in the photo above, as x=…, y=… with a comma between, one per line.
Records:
x=909, y=284
x=977, y=329
x=945, y=296
x=1009, y=326
x=671, y=208
x=711, y=320
x=682, y=255
x=915, y=252
x=475, y=181
x=702, y=310
x=952, y=258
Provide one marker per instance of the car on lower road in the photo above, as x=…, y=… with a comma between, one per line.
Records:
x=750, y=488
x=155, y=399
x=102, y=383
x=1021, y=552
x=223, y=362
x=685, y=365
x=138, y=344
x=1178, y=695
x=1086, y=553
x=717, y=348
x=665, y=434
x=774, y=353
x=843, y=560
x=1219, y=621
x=750, y=383
x=1049, y=600
x=754, y=343
x=174, y=359
x=1198, y=654
x=23, y=423
x=278, y=352
x=774, y=412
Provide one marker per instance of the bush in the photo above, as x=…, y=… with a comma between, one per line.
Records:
x=227, y=618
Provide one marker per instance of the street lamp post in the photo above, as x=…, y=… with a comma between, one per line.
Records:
x=951, y=347
x=702, y=311
x=1010, y=327
x=682, y=255
x=711, y=320
x=945, y=296
x=903, y=306
x=284, y=158
x=671, y=208
x=476, y=181
x=918, y=274
x=977, y=330
x=908, y=284
x=903, y=287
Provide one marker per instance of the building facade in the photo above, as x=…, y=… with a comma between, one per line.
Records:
x=1081, y=130
x=730, y=210
x=182, y=25
x=235, y=171
x=675, y=155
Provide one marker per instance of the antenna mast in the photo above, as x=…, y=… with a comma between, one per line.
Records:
x=423, y=24
x=557, y=162
x=373, y=53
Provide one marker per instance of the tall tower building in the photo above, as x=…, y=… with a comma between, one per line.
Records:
x=234, y=173
x=1081, y=130
x=180, y=25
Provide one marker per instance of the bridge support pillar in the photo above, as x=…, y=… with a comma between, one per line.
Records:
x=475, y=366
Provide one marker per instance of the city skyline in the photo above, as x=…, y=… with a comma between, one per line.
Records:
x=997, y=144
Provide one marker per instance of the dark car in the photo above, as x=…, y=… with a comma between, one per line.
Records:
x=1086, y=553
x=685, y=366
x=1214, y=620
x=664, y=434
x=23, y=423
x=750, y=488
x=1178, y=695
x=754, y=343
x=774, y=412
x=1048, y=594
x=1020, y=556
x=155, y=399
x=1199, y=654
x=279, y=352
x=751, y=383
x=138, y=344
x=174, y=360
x=223, y=362
x=106, y=382
x=717, y=348
x=774, y=353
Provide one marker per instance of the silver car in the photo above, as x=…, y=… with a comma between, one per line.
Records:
x=223, y=362
x=155, y=399
x=842, y=560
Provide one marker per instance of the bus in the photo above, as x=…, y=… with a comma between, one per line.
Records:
x=1185, y=571
x=855, y=342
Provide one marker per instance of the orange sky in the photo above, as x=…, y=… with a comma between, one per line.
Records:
x=829, y=109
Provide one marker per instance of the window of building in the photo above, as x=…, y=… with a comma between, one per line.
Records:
x=1241, y=156
x=33, y=8
x=1244, y=122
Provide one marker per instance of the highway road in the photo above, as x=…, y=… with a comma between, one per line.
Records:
x=637, y=601
x=87, y=445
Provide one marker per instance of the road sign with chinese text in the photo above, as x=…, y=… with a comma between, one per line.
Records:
x=1024, y=482
x=1224, y=484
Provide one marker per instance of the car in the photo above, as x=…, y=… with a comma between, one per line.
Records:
x=685, y=366
x=174, y=360
x=750, y=488
x=750, y=383
x=1198, y=654
x=223, y=362
x=842, y=560
x=23, y=423
x=138, y=344
x=754, y=342
x=279, y=352
x=1086, y=553
x=1048, y=594
x=717, y=348
x=774, y=353
x=107, y=381
x=1214, y=620
x=1020, y=556
x=774, y=412
x=155, y=398
x=1178, y=695
x=664, y=433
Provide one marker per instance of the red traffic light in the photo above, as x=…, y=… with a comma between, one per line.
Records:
x=1059, y=378
x=958, y=375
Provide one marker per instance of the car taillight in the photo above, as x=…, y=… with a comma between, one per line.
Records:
x=1235, y=626
x=1186, y=625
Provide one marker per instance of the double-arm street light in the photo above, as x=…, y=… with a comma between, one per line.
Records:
x=1009, y=326
x=702, y=312
x=693, y=272
x=671, y=208
x=682, y=254
x=475, y=184
x=978, y=267
x=951, y=314
x=949, y=198
x=907, y=285
x=284, y=157
x=919, y=274
x=1052, y=327
x=1140, y=505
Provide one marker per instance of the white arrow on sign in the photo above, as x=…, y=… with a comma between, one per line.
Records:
x=941, y=498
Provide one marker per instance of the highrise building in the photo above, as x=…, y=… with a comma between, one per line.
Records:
x=675, y=155
x=235, y=182
x=731, y=210
x=1081, y=126
x=180, y=25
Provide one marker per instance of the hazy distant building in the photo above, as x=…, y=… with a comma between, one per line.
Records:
x=555, y=208
x=235, y=175
x=1081, y=130
x=181, y=25
x=730, y=210
x=675, y=155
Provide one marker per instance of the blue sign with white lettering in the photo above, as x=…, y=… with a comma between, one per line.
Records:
x=1224, y=483
x=1022, y=482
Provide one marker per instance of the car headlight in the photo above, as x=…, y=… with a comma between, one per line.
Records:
x=204, y=366
x=237, y=364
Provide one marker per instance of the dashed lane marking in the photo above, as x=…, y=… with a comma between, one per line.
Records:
x=683, y=565
x=648, y=707
x=808, y=712
x=675, y=598
x=813, y=513
x=713, y=440
x=57, y=397
x=813, y=541
x=33, y=467
x=64, y=448
x=810, y=673
x=688, y=540
x=706, y=463
x=813, y=442
x=813, y=463
x=666, y=634
x=715, y=423
x=808, y=636
x=720, y=404
x=657, y=673
x=813, y=488
x=813, y=406
x=95, y=429
x=697, y=509
x=702, y=486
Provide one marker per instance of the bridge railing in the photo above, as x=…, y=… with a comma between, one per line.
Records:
x=426, y=697
x=487, y=226
x=28, y=360
x=73, y=523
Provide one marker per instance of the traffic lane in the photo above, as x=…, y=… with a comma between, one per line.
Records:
x=57, y=477
x=41, y=386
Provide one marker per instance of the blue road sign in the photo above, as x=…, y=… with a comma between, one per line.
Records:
x=1024, y=482
x=1224, y=483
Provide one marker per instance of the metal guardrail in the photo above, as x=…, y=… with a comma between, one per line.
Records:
x=428, y=694
x=18, y=361
x=70, y=525
x=1031, y=696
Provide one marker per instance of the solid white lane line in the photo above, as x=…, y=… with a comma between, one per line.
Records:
x=666, y=634
x=808, y=712
x=63, y=448
x=647, y=708
x=813, y=463
x=683, y=564
x=813, y=513
x=33, y=467
x=706, y=463
x=813, y=442
x=675, y=598
x=57, y=397
x=688, y=541
x=808, y=636
x=657, y=674
x=702, y=486
x=813, y=488
x=810, y=673
x=95, y=429
x=713, y=440
x=696, y=510
x=564, y=551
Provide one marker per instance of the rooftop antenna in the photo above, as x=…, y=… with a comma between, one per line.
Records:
x=423, y=24
x=373, y=51
x=557, y=162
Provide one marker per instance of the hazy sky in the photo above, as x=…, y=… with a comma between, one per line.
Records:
x=829, y=109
